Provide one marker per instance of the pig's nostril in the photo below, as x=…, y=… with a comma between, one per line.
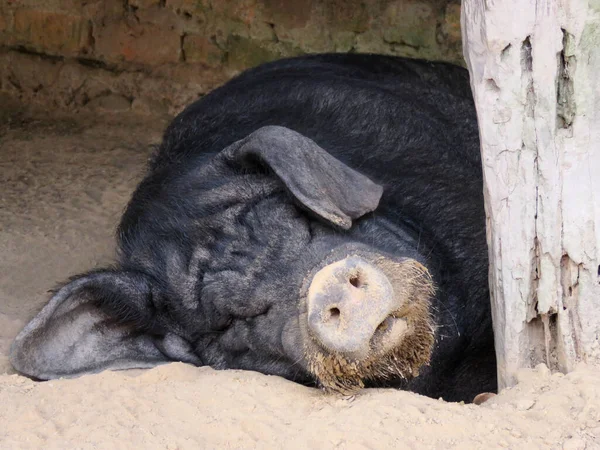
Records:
x=355, y=281
x=334, y=315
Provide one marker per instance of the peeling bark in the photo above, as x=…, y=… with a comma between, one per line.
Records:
x=565, y=97
x=535, y=75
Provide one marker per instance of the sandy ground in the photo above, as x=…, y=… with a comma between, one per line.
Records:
x=63, y=184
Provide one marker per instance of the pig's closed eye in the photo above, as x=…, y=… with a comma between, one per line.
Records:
x=238, y=254
x=228, y=323
x=216, y=330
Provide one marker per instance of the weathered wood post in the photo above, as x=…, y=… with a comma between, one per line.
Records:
x=535, y=75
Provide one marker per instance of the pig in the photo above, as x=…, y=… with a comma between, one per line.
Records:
x=319, y=218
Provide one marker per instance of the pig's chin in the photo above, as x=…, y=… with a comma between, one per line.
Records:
x=337, y=373
x=413, y=340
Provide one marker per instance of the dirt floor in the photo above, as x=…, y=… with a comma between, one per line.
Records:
x=63, y=184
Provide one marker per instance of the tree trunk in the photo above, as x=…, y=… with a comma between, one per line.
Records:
x=535, y=75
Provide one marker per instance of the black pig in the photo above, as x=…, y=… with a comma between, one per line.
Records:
x=319, y=218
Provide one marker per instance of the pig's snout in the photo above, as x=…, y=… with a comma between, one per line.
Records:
x=353, y=311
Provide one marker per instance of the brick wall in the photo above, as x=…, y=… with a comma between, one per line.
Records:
x=158, y=55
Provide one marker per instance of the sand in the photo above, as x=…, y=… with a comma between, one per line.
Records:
x=63, y=183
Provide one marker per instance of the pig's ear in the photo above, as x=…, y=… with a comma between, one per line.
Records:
x=101, y=320
x=318, y=181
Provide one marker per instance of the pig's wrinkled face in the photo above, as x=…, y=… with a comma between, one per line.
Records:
x=260, y=260
x=294, y=297
x=291, y=289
